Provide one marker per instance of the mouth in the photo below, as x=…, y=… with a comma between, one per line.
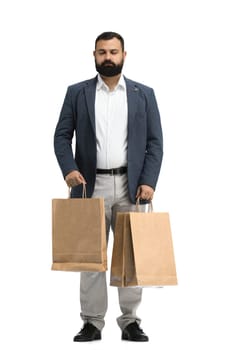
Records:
x=108, y=64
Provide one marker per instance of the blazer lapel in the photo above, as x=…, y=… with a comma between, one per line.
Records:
x=132, y=97
x=90, y=91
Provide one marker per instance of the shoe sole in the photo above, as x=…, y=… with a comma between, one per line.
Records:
x=135, y=340
x=98, y=337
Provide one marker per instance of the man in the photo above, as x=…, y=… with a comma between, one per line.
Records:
x=118, y=155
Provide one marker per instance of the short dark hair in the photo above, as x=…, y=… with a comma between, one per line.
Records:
x=109, y=36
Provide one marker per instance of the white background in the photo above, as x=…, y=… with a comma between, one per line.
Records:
x=183, y=49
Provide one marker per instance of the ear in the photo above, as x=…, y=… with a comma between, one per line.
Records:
x=94, y=53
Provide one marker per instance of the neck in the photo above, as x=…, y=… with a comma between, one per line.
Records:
x=111, y=82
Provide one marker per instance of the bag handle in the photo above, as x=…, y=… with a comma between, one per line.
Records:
x=84, y=193
x=150, y=206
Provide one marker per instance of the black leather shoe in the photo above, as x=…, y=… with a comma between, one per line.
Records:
x=88, y=333
x=134, y=333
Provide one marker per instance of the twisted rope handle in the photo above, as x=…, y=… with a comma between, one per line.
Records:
x=84, y=193
x=150, y=206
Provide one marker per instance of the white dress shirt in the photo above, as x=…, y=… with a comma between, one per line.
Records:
x=111, y=118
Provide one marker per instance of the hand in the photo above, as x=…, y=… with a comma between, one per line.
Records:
x=145, y=192
x=74, y=178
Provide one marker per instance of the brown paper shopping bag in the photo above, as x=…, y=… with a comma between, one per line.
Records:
x=78, y=234
x=143, y=252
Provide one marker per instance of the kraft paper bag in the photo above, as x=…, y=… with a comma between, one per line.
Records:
x=143, y=252
x=79, y=234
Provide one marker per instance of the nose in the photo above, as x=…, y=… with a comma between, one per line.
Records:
x=107, y=55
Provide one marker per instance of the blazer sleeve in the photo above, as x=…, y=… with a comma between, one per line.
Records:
x=154, y=144
x=64, y=134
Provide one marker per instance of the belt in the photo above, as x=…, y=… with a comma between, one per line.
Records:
x=116, y=171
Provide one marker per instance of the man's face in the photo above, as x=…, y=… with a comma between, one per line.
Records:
x=109, y=57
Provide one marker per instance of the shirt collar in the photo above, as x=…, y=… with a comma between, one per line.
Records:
x=101, y=84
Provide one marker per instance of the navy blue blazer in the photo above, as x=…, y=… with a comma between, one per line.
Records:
x=145, y=141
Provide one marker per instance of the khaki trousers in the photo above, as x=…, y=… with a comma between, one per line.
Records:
x=93, y=286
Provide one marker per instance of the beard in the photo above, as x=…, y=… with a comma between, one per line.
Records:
x=108, y=68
